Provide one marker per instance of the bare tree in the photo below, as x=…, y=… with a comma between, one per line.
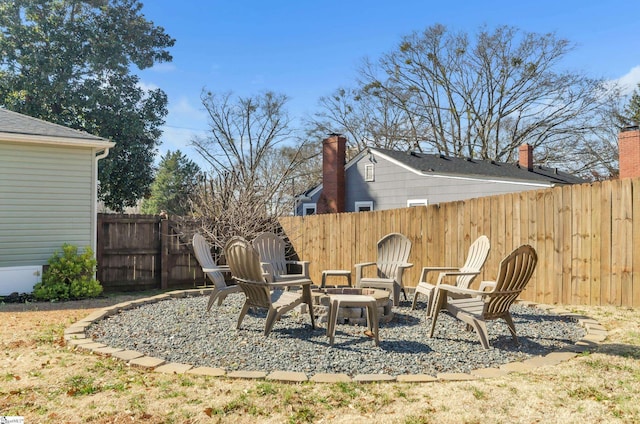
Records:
x=248, y=186
x=594, y=155
x=367, y=118
x=479, y=97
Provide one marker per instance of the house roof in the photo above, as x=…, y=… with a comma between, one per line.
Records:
x=442, y=165
x=22, y=128
x=436, y=164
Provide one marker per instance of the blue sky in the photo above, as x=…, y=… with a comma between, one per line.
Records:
x=307, y=49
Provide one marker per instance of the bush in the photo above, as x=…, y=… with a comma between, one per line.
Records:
x=69, y=276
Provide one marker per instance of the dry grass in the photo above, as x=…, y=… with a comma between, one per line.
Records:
x=45, y=381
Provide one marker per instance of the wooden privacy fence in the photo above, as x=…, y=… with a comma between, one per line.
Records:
x=140, y=252
x=587, y=243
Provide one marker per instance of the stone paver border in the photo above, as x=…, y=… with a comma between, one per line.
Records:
x=76, y=338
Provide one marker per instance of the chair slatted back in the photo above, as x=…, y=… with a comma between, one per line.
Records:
x=244, y=263
x=514, y=273
x=476, y=257
x=202, y=250
x=271, y=249
x=393, y=250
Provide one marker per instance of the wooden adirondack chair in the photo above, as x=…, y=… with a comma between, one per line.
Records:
x=480, y=306
x=393, y=254
x=202, y=251
x=272, y=249
x=247, y=271
x=464, y=276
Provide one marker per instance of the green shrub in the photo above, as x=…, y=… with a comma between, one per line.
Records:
x=69, y=276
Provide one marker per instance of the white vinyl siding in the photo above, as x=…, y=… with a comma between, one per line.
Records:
x=45, y=200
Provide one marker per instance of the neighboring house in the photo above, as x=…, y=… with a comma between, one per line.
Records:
x=48, y=195
x=378, y=179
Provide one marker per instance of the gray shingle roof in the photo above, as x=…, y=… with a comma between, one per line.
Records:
x=445, y=165
x=17, y=123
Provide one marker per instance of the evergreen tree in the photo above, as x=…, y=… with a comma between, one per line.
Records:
x=175, y=183
x=632, y=111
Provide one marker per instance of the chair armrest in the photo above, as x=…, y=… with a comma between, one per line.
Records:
x=292, y=283
x=364, y=264
x=487, y=284
x=460, y=290
x=457, y=273
x=303, y=264
x=427, y=269
x=359, y=267
x=400, y=270
x=223, y=268
x=268, y=271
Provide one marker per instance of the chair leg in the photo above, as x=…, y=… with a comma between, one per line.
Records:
x=438, y=303
x=312, y=316
x=212, y=298
x=512, y=327
x=243, y=312
x=333, y=318
x=415, y=300
x=309, y=301
x=396, y=294
x=430, y=300
x=481, y=331
x=272, y=317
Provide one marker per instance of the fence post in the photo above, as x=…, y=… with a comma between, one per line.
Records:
x=164, y=253
x=99, y=247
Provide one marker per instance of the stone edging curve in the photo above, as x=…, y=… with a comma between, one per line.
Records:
x=76, y=337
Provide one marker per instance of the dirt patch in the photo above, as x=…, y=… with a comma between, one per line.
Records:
x=44, y=380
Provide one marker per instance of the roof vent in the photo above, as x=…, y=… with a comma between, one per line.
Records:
x=468, y=159
x=493, y=162
x=442, y=156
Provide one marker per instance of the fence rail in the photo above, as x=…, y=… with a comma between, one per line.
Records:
x=587, y=243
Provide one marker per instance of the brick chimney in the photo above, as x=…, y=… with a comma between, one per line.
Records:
x=334, y=154
x=525, y=156
x=629, y=152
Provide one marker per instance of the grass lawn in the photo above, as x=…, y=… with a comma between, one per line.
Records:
x=44, y=380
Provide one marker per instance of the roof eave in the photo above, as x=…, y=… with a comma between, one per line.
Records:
x=488, y=179
x=59, y=141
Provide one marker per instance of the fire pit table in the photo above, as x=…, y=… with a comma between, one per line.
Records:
x=351, y=315
x=339, y=301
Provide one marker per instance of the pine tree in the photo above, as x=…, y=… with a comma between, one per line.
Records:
x=176, y=181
